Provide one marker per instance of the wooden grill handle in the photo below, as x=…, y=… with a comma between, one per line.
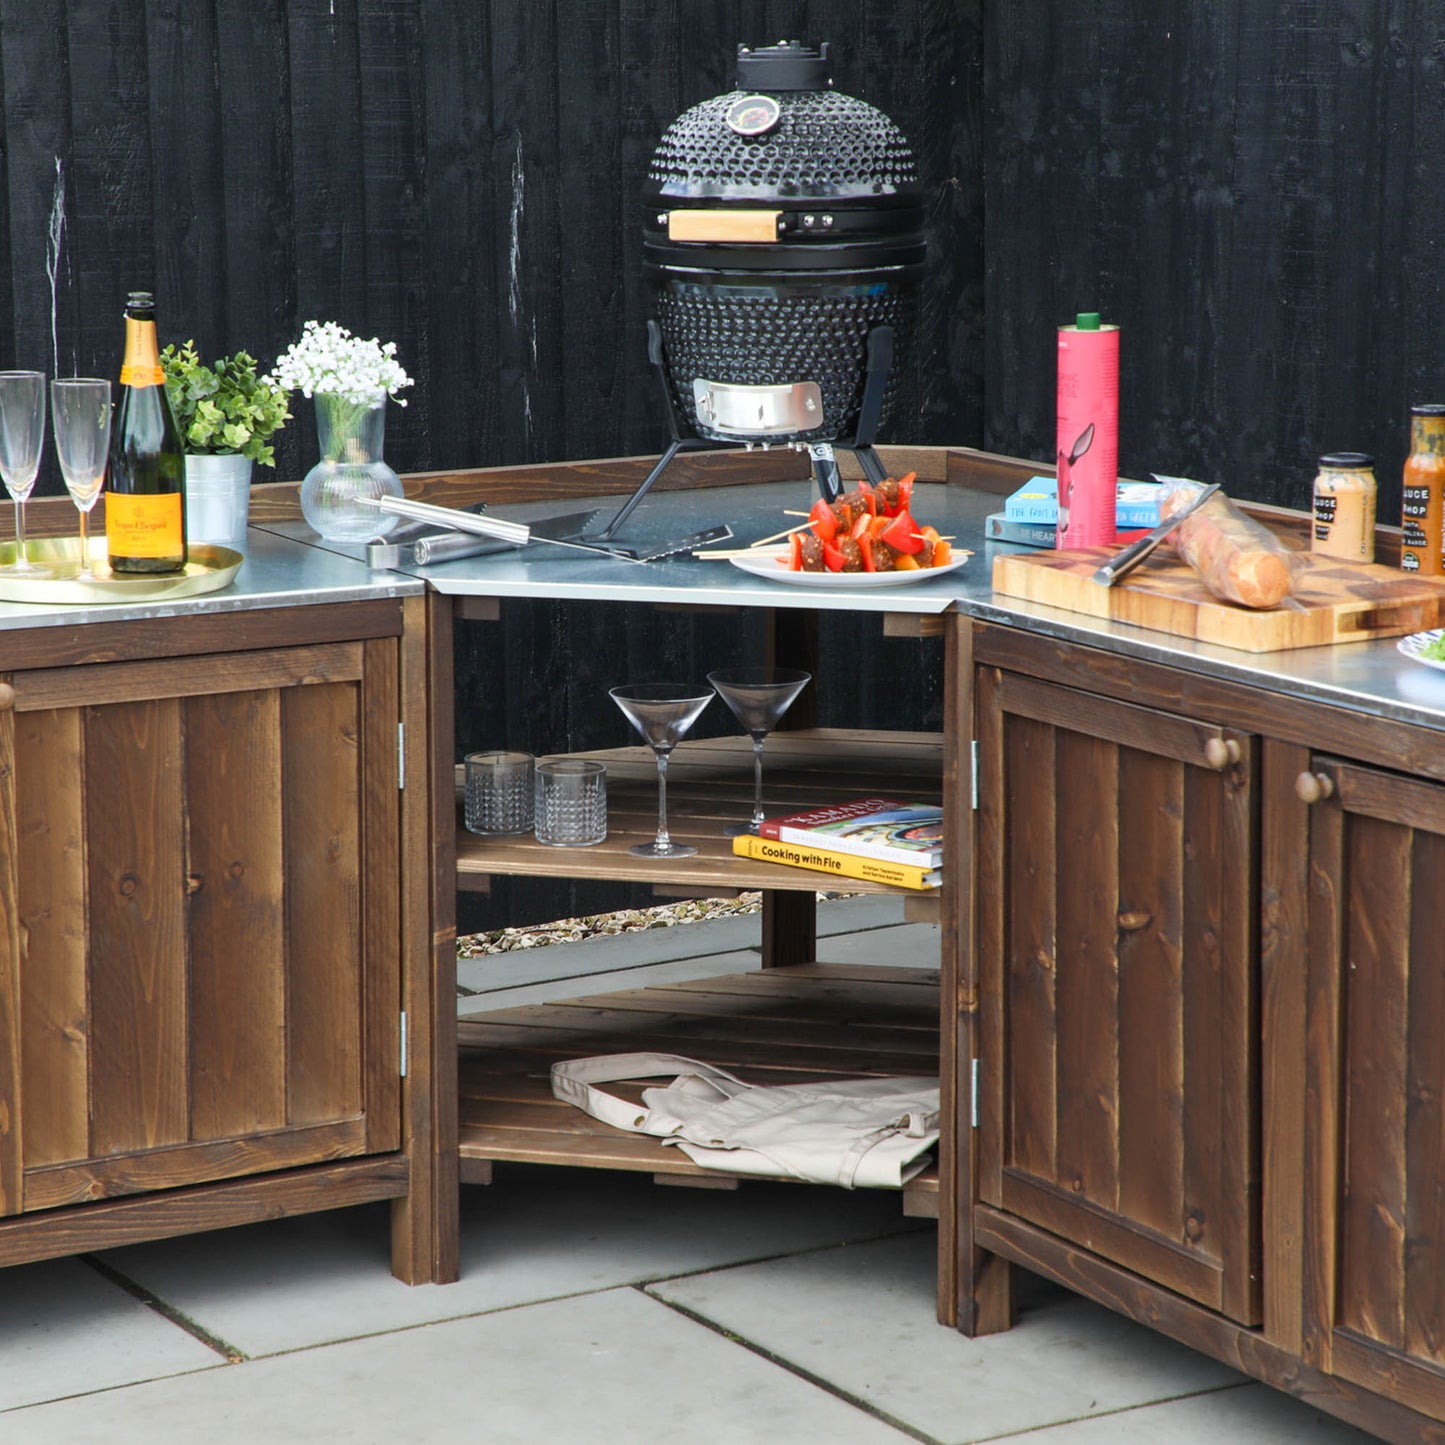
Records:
x=1314, y=787
x=7, y=697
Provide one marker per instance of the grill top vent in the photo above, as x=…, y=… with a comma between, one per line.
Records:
x=824, y=146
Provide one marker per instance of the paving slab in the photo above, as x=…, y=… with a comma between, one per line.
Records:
x=1249, y=1415
x=534, y=1234
x=861, y=1319
x=708, y=965
x=614, y=1366
x=66, y=1329
x=909, y=945
x=523, y=966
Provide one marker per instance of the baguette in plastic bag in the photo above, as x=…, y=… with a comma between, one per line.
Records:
x=1237, y=558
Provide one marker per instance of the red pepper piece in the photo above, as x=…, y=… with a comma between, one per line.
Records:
x=832, y=558
x=795, y=558
x=903, y=534
x=865, y=546
x=824, y=521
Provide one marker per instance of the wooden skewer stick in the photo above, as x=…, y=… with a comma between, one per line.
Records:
x=778, y=536
x=720, y=553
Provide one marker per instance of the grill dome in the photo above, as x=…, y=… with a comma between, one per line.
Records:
x=783, y=224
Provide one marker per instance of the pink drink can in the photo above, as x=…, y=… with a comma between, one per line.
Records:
x=1088, y=432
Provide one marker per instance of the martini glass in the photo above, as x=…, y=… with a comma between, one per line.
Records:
x=22, y=432
x=758, y=697
x=80, y=407
x=662, y=712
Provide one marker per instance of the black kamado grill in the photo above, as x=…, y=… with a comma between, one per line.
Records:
x=783, y=245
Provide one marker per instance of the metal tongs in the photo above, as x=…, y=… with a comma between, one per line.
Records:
x=518, y=534
x=1126, y=561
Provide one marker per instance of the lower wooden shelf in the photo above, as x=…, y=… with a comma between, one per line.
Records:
x=773, y=1026
x=710, y=784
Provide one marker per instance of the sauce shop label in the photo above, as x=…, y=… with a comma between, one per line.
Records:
x=1344, y=507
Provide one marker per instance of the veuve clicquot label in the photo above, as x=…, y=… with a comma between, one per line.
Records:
x=145, y=511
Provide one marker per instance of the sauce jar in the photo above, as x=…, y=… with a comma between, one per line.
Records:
x=1422, y=497
x=1344, y=524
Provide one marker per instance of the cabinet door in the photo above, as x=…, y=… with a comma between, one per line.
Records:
x=1116, y=960
x=1375, y=1134
x=202, y=854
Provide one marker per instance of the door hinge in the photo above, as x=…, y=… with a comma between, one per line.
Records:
x=974, y=1088
x=973, y=767
x=403, y=1043
x=401, y=755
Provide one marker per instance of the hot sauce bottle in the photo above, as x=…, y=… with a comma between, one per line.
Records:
x=1422, y=506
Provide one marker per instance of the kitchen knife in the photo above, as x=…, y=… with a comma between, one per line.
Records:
x=1126, y=561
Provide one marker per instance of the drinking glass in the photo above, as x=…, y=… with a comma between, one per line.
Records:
x=662, y=712
x=758, y=697
x=80, y=406
x=22, y=433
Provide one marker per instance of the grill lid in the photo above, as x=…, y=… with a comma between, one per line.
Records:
x=787, y=165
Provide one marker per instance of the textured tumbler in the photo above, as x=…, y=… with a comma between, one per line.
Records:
x=499, y=793
x=571, y=802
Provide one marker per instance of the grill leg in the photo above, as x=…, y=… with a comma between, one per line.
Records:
x=825, y=469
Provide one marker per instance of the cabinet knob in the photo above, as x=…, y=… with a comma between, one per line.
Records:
x=1312, y=787
x=1219, y=753
x=7, y=697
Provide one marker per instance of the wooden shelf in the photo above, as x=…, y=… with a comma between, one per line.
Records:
x=774, y=1026
x=710, y=784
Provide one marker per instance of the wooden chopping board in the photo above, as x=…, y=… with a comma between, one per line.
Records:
x=1333, y=601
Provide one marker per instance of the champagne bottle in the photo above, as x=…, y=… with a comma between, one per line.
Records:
x=145, y=499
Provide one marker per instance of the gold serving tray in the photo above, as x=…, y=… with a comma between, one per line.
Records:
x=208, y=569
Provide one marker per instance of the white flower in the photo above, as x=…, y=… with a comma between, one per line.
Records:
x=330, y=360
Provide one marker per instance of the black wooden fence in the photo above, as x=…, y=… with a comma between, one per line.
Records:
x=1250, y=189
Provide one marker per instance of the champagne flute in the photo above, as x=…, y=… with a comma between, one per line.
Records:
x=758, y=697
x=80, y=406
x=662, y=712
x=22, y=434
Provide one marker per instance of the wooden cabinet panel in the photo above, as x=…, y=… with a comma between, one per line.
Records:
x=1375, y=1271
x=204, y=858
x=1117, y=970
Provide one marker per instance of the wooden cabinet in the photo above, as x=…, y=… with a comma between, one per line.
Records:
x=1117, y=967
x=1375, y=1273
x=1208, y=979
x=201, y=864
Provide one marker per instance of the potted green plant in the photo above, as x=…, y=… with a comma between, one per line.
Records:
x=227, y=414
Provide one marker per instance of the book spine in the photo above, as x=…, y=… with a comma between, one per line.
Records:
x=1025, y=534
x=839, y=865
x=858, y=848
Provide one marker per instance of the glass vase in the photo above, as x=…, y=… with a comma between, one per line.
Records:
x=351, y=467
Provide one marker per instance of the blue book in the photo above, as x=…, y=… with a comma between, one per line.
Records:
x=1038, y=501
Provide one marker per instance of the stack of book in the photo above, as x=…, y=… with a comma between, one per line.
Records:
x=1031, y=515
x=879, y=839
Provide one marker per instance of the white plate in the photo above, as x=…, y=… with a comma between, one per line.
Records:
x=1413, y=645
x=770, y=569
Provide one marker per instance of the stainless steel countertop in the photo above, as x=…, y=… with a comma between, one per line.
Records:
x=1370, y=676
x=277, y=572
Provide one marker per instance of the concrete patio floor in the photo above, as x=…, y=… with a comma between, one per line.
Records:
x=599, y=1307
